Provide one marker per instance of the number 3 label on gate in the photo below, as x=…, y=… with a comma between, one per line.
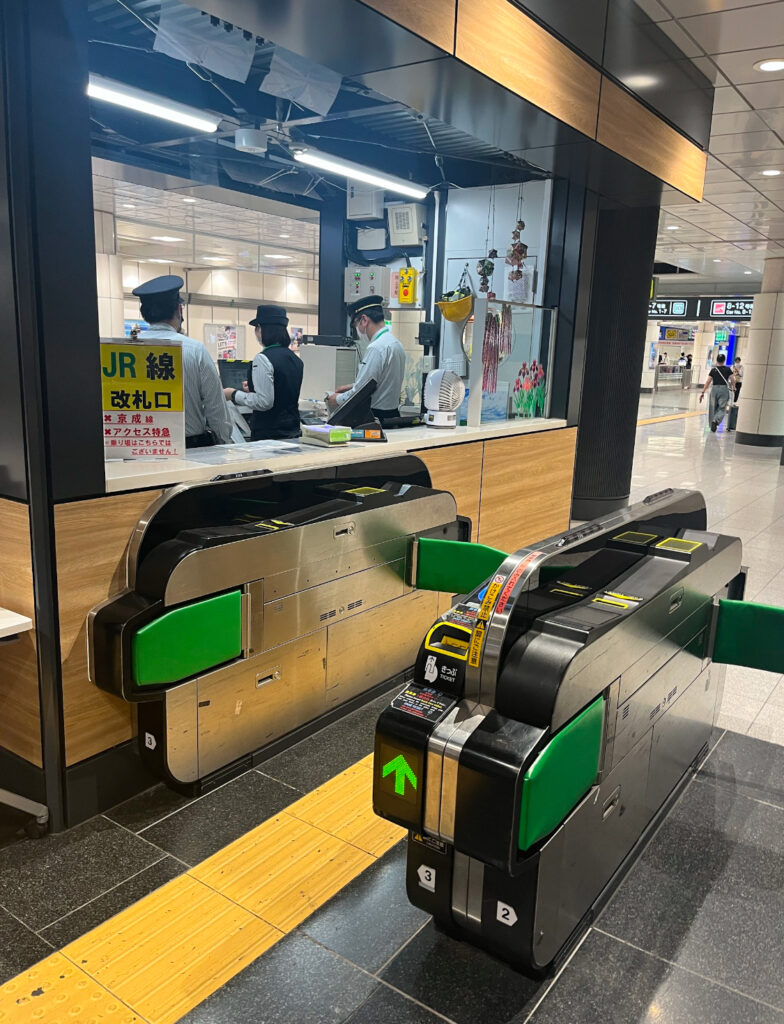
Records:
x=427, y=877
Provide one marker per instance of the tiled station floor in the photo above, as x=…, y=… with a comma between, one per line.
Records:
x=695, y=934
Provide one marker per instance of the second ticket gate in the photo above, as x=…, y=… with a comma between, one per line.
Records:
x=554, y=714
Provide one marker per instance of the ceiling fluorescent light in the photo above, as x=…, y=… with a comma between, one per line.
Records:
x=354, y=172
x=167, y=238
x=148, y=103
x=770, y=173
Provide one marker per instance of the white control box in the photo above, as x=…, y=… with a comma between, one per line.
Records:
x=364, y=202
x=371, y=238
x=406, y=223
x=361, y=281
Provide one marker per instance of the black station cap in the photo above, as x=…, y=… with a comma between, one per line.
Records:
x=364, y=305
x=160, y=287
x=268, y=316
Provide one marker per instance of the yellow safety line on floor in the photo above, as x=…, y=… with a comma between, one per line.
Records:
x=155, y=961
x=56, y=992
x=674, y=416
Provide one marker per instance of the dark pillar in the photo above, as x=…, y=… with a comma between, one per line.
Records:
x=47, y=279
x=620, y=288
x=567, y=287
x=332, y=310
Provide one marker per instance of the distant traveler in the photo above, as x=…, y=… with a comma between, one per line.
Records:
x=737, y=373
x=689, y=359
x=719, y=383
x=275, y=379
x=206, y=416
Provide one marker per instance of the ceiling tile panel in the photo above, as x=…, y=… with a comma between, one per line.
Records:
x=728, y=100
x=746, y=28
x=739, y=65
x=743, y=121
x=774, y=118
x=687, y=8
x=766, y=94
x=744, y=141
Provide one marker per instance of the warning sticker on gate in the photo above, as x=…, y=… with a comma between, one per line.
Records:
x=475, y=649
x=492, y=592
x=514, y=576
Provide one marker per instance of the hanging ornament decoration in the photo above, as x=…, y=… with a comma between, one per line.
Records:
x=491, y=354
x=506, y=338
x=518, y=250
x=485, y=268
x=516, y=253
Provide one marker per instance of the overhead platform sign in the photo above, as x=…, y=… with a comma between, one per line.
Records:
x=143, y=408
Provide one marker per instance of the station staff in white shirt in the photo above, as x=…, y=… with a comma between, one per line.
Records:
x=206, y=413
x=384, y=361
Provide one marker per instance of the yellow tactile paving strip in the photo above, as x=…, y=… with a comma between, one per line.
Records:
x=54, y=991
x=161, y=957
x=169, y=951
x=283, y=870
x=340, y=808
x=673, y=416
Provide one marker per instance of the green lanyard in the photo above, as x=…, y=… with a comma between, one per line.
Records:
x=376, y=336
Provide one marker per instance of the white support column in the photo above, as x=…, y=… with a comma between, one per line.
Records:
x=761, y=406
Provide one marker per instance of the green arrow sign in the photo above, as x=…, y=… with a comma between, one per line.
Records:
x=402, y=770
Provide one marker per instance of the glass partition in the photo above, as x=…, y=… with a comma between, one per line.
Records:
x=510, y=365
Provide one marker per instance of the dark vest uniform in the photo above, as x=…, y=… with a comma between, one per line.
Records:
x=282, y=420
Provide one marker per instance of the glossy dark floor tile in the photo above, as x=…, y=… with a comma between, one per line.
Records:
x=708, y=893
x=214, y=821
x=41, y=880
x=388, y=1007
x=101, y=909
x=608, y=982
x=295, y=982
x=371, y=918
x=749, y=766
x=19, y=947
x=147, y=808
x=460, y=981
x=311, y=762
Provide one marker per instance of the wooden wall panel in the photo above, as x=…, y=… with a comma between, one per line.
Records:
x=458, y=469
x=377, y=644
x=433, y=20
x=630, y=129
x=498, y=39
x=526, y=488
x=20, y=721
x=91, y=539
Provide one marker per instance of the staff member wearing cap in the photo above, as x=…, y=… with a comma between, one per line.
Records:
x=275, y=381
x=384, y=362
x=206, y=416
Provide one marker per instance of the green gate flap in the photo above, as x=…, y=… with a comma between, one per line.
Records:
x=750, y=634
x=188, y=640
x=454, y=566
x=562, y=773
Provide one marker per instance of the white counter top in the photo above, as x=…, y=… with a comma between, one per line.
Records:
x=12, y=623
x=205, y=463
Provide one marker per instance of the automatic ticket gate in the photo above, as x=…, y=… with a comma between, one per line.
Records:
x=553, y=715
x=240, y=589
